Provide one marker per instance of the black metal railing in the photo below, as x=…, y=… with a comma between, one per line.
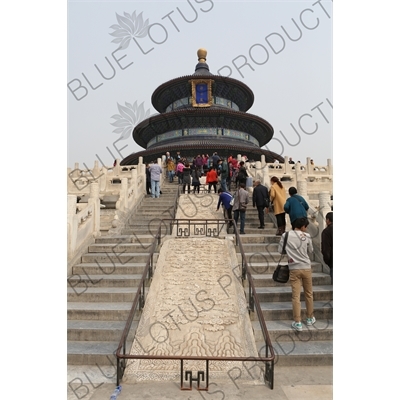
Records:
x=200, y=228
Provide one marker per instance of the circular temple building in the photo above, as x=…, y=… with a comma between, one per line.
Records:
x=202, y=114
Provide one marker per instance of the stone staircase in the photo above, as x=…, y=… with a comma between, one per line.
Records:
x=312, y=346
x=103, y=285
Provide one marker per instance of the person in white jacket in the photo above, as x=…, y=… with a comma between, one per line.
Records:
x=298, y=245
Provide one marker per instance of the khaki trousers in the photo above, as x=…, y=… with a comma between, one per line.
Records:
x=297, y=279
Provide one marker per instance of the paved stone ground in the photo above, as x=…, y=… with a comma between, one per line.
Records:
x=291, y=383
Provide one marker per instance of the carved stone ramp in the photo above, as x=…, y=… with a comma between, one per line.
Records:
x=196, y=306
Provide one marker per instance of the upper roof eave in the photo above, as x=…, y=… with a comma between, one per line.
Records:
x=245, y=100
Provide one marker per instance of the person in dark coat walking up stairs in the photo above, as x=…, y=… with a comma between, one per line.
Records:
x=261, y=200
x=327, y=243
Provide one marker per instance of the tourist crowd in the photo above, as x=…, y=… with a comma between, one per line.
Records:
x=229, y=174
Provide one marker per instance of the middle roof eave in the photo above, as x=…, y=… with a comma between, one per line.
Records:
x=203, y=118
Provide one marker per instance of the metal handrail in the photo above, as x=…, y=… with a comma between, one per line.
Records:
x=254, y=303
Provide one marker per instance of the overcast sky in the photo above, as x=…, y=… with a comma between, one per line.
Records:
x=281, y=49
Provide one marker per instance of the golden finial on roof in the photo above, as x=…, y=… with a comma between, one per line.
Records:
x=202, y=54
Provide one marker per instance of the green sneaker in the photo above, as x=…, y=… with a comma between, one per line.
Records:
x=310, y=321
x=297, y=326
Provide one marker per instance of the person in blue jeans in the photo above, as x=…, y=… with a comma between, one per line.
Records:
x=155, y=175
x=239, y=206
x=225, y=198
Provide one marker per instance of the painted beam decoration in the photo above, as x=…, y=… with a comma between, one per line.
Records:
x=201, y=92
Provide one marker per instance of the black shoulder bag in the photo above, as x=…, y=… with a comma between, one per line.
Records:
x=281, y=273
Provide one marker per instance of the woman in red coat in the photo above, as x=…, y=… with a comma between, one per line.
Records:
x=212, y=179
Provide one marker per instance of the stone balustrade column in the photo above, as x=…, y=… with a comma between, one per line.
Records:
x=309, y=168
x=266, y=178
x=298, y=174
x=124, y=194
x=134, y=182
x=286, y=166
x=163, y=175
x=141, y=172
x=258, y=174
x=103, y=179
x=140, y=162
x=75, y=172
x=96, y=170
x=72, y=224
x=302, y=189
x=263, y=160
x=239, y=158
x=94, y=199
x=330, y=168
x=116, y=168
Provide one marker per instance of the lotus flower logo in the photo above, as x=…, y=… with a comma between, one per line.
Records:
x=130, y=115
x=129, y=26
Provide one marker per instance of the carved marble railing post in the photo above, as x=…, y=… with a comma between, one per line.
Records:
x=96, y=170
x=72, y=223
x=134, y=183
x=302, y=189
x=164, y=173
x=94, y=199
x=103, y=179
x=124, y=194
x=266, y=179
x=239, y=158
x=76, y=173
x=263, y=160
x=116, y=168
x=286, y=166
x=330, y=168
x=141, y=172
x=309, y=167
x=298, y=174
x=323, y=209
x=258, y=168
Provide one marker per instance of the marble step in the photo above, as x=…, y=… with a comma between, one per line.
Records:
x=109, y=268
x=260, y=268
x=146, y=229
x=299, y=353
x=282, y=310
x=269, y=267
x=112, y=257
x=281, y=331
x=265, y=280
x=263, y=256
x=102, y=294
x=260, y=237
x=92, y=330
x=125, y=239
x=119, y=248
x=117, y=311
x=79, y=283
x=153, y=205
x=284, y=293
x=91, y=352
x=259, y=247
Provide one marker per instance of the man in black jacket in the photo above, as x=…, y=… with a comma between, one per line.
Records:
x=261, y=200
x=327, y=243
